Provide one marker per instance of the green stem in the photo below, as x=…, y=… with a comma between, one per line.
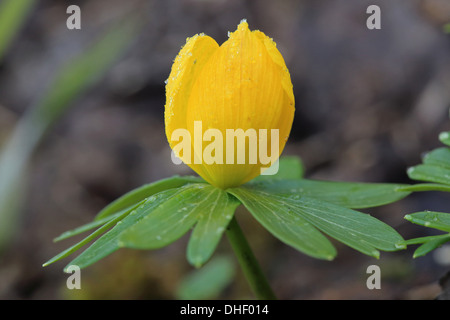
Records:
x=248, y=262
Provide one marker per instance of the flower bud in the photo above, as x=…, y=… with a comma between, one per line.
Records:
x=229, y=108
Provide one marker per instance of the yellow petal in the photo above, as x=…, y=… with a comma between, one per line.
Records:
x=244, y=85
x=185, y=70
x=277, y=58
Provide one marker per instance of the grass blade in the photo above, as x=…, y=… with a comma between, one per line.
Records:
x=73, y=79
x=12, y=16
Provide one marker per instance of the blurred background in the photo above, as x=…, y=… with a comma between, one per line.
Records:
x=82, y=122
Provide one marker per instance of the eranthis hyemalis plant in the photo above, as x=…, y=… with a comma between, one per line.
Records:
x=241, y=85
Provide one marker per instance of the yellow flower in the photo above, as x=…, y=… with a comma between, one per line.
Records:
x=241, y=87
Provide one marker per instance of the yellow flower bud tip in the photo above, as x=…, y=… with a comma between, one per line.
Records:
x=229, y=108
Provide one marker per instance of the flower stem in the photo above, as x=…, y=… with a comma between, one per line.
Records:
x=248, y=262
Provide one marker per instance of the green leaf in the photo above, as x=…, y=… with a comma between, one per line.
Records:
x=128, y=200
x=109, y=242
x=346, y=194
x=431, y=219
x=109, y=223
x=158, y=221
x=355, y=229
x=284, y=223
x=215, y=214
x=89, y=226
x=439, y=157
x=421, y=240
x=145, y=191
x=289, y=167
x=435, y=168
x=12, y=16
x=444, y=137
x=173, y=218
x=428, y=243
x=431, y=245
x=425, y=187
x=423, y=172
x=207, y=282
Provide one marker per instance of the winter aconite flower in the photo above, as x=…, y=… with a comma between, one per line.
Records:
x=229, y=108
x=228, y=116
